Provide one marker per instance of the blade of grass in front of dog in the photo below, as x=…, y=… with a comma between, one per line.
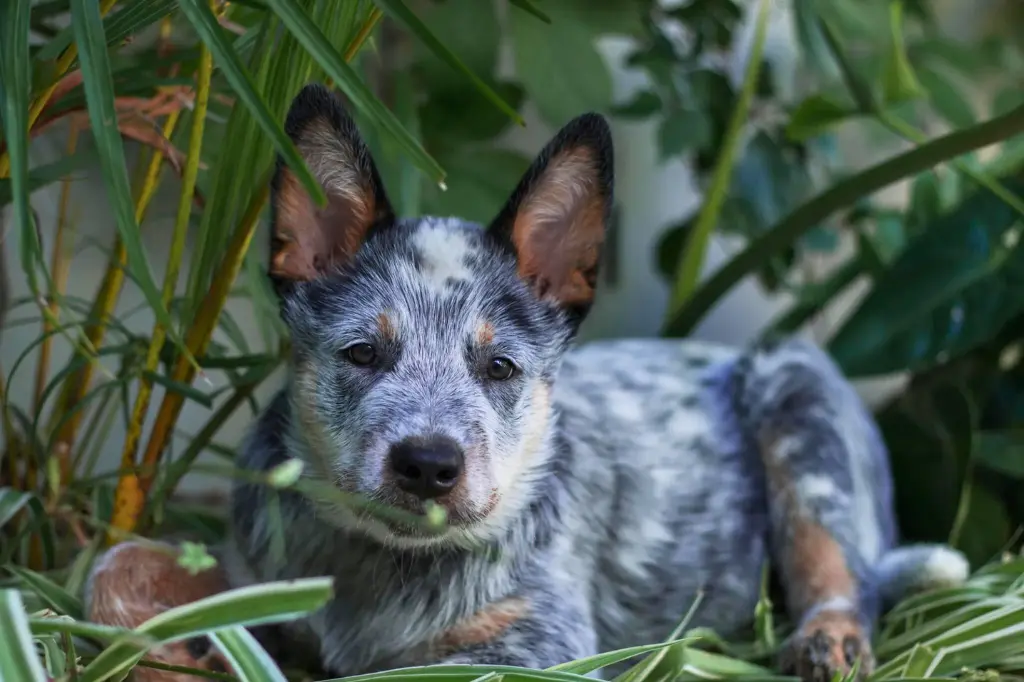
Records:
x=52, y=593
x=333, y=63
x=643, y=669
x=465, y=673
x=248, y=659
x=102, y=633
x=18, y=659
x=99, y=95
x=585, y=666
x=255, y=605
x=398, y=10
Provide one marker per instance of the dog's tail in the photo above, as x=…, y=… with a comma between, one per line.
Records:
x=906, y=570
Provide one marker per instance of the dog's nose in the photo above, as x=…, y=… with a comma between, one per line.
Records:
x=427, y=467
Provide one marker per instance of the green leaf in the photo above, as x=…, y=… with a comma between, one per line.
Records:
x=1001, y=451
x=99, y=94
x=11, y=502
x=947, y=99
x=330, y=60
x=470, y=30
x=680, y=131
x=479, y=184
x=531, y=9
x=559, y=65
x=815, y=115
x=456, y=116
x=46, y=174
x=258, y=604
x=52, y=593
x=209, y=30
x=951, y=290
x=899, y=84
x=585, y=666
x=398, y=10
x=840, y=195
x=18, y=660
x=248, y=659
x=644, y=104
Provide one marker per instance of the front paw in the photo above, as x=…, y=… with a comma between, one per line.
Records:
x=827, y=643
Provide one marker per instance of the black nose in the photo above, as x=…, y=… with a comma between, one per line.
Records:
x=426, y=467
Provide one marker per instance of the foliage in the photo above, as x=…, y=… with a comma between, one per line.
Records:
x=200, y=88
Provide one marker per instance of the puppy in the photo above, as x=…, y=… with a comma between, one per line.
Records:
x=589, y=494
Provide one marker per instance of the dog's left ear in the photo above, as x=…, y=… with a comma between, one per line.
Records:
x=556, y=219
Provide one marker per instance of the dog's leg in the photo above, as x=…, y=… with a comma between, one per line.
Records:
x=829, y=500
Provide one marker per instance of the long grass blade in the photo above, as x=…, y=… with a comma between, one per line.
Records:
x=315, y=42
x=248, y=659
x=18, y=660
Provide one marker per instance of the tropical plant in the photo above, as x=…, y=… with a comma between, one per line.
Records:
x=199, y=88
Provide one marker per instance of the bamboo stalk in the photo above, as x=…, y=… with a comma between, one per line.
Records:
x=128, y=501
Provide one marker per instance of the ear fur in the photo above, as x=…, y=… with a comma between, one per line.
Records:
x=308, y=241
x=555, y=220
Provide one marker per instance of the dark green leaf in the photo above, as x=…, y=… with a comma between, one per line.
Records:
x=946, y=98
x=480, y=182
x=1001, y=451
x=532, y=9
x=46, y=174
x=453, y=117
x=559, y=65
x=952, y=289
x=815, y=115
x=925, y=202
x=398, y=10
x=681, y=131
x=899, y=83
x=470, y=30
x=643, y=105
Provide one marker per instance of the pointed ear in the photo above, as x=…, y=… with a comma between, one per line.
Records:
x=307, y=241
x=555, y=220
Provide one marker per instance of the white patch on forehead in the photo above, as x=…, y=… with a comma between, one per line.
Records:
x=444, y=253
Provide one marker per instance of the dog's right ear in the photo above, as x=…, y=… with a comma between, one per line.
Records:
x=307, y=241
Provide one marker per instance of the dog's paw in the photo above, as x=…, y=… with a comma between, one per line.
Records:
x=828, y=643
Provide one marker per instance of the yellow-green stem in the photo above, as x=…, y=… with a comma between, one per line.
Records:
x=688, y=272
x=128, y=503
x=106, y=299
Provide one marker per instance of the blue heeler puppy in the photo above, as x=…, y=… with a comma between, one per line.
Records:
x=591, y=493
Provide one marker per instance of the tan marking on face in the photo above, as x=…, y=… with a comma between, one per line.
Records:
x=486, y=625
x=485, y=333
x=562, y=259
x=386, y=326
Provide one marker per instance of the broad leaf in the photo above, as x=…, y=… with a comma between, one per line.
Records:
x=953, y=288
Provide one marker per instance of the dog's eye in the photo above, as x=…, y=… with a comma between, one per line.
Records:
x=500, y=369
x=361, y=354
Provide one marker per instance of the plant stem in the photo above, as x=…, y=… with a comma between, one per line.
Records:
x=106, y=299
x=844, y=193
x=128, y=503
x=689, y=269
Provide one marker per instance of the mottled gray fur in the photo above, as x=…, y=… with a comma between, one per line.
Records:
x=603, y=487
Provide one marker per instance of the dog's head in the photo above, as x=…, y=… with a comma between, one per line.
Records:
x=425, y=348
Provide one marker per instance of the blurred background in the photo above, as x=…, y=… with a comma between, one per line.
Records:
x=827, y=222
